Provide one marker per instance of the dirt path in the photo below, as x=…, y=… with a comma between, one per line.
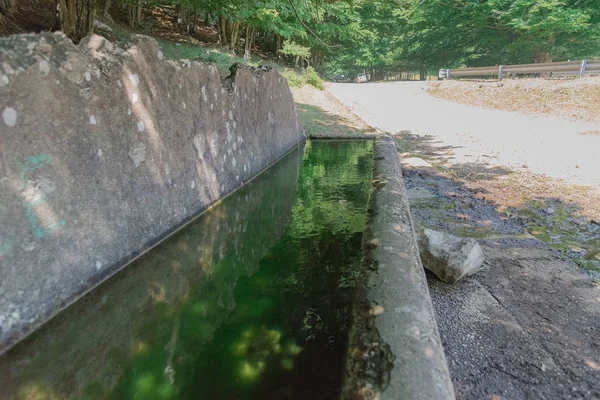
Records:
x=528, y=326
x=567, y=97
x=321, y=113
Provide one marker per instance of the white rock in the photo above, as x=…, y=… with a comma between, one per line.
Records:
x=10, y=116
x=44, y=67
x=134, y=79
x=449, y=257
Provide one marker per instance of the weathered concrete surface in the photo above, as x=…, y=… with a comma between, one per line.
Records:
x=189, y=279
x=105, y=150
x=395, y=350
x=525, y=327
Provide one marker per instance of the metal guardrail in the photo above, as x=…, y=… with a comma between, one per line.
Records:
x=564, y=68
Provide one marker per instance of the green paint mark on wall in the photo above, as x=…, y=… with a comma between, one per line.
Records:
x=33, y=163
x=6, y=245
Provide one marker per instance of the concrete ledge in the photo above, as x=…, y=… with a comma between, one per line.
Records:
x=342, y=137
x=394, y=349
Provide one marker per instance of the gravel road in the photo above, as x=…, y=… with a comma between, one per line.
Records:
x=546, y=145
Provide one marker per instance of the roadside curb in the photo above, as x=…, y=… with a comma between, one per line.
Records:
x=394, y=348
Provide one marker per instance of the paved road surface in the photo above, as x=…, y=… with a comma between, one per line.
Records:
x=546, y=145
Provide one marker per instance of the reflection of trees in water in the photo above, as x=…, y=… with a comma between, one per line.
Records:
x=257, y=346
x=331, y=194
x=286, y=334
x=202, y=316
x=122, y=341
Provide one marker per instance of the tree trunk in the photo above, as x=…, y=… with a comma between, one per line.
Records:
x=183, y=17
x=234, y=36
x=7, y=7
x=138, y=12
x=223, y=30
x=77, y=17
x=107, y=6
x=238, y=44
x=542, y=56
x=134, y=13
x=219, y=30
x=186, y=18
x=247, y=42
x=319, y=60
x=277, y=44
x=314, y=54
x=193, y=20
x=252, y=39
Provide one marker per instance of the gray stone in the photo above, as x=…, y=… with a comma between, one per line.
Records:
x=449, y=257
x=118, y=311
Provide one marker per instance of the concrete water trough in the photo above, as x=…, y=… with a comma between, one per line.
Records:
x=127, y=269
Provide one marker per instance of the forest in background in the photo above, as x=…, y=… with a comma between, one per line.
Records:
x=379, y=37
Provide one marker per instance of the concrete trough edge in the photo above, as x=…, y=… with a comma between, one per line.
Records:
x=394, y=347
x=342, y=137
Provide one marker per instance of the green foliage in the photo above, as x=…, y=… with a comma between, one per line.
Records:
x=294, y=79
x=348, y=37
x=223, y=61
x=291, y=48
x=473, y=33
x=297, y=80
x=313, y=78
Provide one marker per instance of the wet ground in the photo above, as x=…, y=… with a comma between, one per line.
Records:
x=528, y=325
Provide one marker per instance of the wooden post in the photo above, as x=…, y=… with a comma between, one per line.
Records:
x=582, y=69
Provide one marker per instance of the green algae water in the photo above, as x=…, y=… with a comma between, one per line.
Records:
x=250, y=301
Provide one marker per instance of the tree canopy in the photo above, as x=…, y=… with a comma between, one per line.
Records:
x=348, y=36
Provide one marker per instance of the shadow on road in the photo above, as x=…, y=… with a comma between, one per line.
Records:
x=319, y=122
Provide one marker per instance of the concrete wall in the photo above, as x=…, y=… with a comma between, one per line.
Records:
x=104, y=150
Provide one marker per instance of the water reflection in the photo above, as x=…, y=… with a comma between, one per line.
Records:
x=250, y=301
